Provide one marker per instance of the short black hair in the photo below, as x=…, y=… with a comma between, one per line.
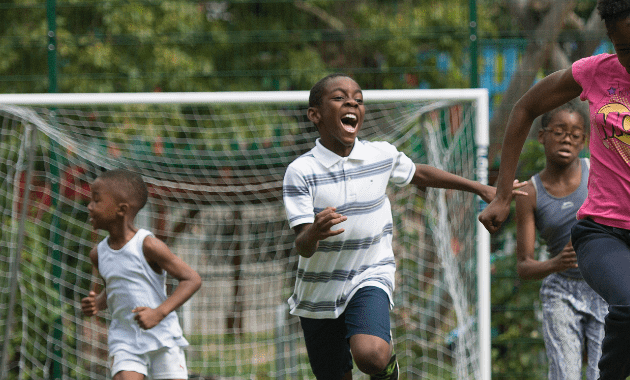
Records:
x=128, y=185
x=317, y=91
x=572, y=106
x=612, y=11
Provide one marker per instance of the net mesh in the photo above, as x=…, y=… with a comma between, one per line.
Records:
x=215, y=174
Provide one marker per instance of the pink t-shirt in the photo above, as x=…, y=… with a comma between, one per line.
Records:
x=606, y=86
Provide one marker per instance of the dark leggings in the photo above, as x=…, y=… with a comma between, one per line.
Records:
x=603, y=255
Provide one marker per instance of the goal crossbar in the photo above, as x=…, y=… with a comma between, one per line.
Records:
x=478, y=94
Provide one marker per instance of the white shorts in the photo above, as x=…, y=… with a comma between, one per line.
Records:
x=165, y=363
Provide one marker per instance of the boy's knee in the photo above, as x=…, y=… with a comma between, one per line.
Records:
x=372, y=358
x=373, y=362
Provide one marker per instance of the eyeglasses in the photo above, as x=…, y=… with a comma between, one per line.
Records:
x=560, y=134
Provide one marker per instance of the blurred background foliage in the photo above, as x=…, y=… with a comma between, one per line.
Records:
x=518, y=350
x=266, y=45
x=182, y=45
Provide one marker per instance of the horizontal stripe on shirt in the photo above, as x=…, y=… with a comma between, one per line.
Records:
x=339, y=274
x=330, y=305
x=357, y=208
x=355, y=244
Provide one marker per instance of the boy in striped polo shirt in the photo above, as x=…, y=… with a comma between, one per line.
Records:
x=335, y=201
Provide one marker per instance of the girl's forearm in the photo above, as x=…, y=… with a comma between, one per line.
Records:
x=534, y=269
x=516, y=133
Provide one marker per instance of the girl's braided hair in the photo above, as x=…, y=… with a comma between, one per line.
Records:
x=612, y=11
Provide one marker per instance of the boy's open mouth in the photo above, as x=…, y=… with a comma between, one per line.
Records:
x=349, y=122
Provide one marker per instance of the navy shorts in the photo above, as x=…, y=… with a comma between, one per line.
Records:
x=327, y=340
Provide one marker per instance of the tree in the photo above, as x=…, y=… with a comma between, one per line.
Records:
x=176, y=45
x=546, y=51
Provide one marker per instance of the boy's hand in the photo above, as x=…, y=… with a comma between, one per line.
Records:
x=497, y=211
x=88, y=304
x=489, y=192
x=309, y=234
x=146, y=317
x=324, y=221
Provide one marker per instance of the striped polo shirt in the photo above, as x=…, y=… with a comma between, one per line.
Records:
x=360, y=256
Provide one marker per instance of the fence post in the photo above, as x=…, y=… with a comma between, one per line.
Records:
x=57, y=334
x=474, y=56
x=51, y=15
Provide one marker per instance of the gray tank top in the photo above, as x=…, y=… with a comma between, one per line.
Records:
x=555, y=216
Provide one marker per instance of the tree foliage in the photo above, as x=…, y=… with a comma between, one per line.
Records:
x=176, y=45
x=557, y=33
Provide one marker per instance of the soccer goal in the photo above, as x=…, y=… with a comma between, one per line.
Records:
x=214, y=164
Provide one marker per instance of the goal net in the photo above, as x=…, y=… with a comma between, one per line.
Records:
x=214, y=164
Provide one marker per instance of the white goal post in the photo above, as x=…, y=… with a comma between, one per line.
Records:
x=179, y=139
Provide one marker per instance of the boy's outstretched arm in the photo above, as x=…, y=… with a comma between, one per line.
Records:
x=551, y=92
x=309, y=234
x=158, y=255
x=97, y=297
x=429, y=176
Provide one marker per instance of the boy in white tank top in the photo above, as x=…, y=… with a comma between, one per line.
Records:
x=144, y=336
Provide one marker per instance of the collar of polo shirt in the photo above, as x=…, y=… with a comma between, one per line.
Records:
x=328, y=158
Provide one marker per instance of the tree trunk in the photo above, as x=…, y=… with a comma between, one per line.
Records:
x=538, y=52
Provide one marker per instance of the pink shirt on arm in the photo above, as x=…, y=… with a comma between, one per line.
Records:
x=606, y=86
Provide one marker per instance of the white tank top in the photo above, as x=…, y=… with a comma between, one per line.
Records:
x=130, y=282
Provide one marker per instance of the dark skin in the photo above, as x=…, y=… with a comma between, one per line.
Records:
x=110, y=211
x=561, y=177
x=556, y=89
x=338, y=119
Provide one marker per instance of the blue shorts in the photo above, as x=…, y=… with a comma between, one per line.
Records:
x=327, y=340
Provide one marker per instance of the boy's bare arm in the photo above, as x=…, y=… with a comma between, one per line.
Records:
x=429, y=176
x=309, y=234
x=156, y=252
x=97, y=297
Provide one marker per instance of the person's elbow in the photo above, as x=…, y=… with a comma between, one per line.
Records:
x=523, y=271
x=195, y=281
